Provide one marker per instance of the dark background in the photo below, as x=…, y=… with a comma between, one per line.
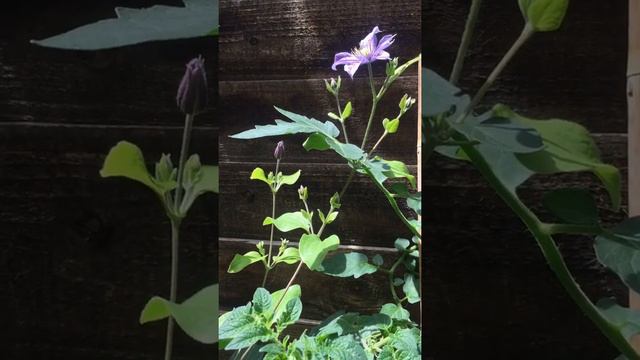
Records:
x=81, y=255
x=276, y=53
x=489, y=292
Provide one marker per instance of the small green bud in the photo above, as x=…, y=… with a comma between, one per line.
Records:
x=333, y=86
x=335, y=201
x=164, y=169
x=260, y=246
x=392, y=65
x=192, y=171
x=303, y=193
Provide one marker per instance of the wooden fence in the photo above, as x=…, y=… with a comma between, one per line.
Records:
x=488, y=290
x=81, y=255
x=277, y=53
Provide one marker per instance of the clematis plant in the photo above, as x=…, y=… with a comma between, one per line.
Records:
x=508, y=148
x=260, y=329
x=177, y=189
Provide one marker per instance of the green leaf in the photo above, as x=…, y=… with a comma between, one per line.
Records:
x=395, y=311
x=347, y=265
x=332, y=217
x=289, y=221
x=258, y=174
x=575, y=206
x=625, y=320
x=240, y=262
x=289, y=256
x=126, y=160
x=299, y=124
x=316, y=142
x=197, y=316
x=289, y=179
x=544, y=15
x=619, y=250
x=261, y=300
x=291, y=313
x=377, y=260
x=302, y=124
x=206, y=183
x=294, y=292
x=439, y=95
x=313, y=250
x=391, y=126
x=388, y=169
x=333, y=116
x=132, y=26
x=346, y=112
x=505, y=133
x=241, y=329
x=568, y=148
x=410, y=288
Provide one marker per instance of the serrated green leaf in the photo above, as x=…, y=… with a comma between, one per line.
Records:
x=348, y=264
x=294, y=292
x=291, y=313
x=126, y=160
x=313, y=250
x=261, y=300
x=132, y=26
x=240, y=262
x=289, y=221
x=196, y=316
x=575, y=206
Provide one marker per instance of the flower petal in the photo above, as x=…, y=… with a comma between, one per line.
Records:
x=370, y=41
x=352, y=68
x=386, y=41
x=381, y=55
x=344, y=58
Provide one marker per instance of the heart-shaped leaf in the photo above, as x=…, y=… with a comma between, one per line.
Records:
x=348, y=264
x=289, y=221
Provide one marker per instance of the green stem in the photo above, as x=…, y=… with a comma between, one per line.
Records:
x=466, y=41
x=374, y=105
x=184, y=151
x=175, y=238
x=344, y=129
x=391, y=274
x=526, y=33
x=551, y=252
x=373, y=149
x=273, y=216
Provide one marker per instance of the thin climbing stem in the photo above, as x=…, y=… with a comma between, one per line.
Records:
x=273, y=216
x=176, y=218
x=374, y=106
x=373, y=149
x=467, y=35
x=344, y=129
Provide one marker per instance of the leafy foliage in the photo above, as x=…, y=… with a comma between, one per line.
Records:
x=132, y=26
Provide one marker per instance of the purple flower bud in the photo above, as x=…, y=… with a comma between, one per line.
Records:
x=279, y=151
x=192, y=94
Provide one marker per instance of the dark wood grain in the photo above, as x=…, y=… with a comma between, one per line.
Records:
x=283, y=39
x=81, y=255
x=489, y=290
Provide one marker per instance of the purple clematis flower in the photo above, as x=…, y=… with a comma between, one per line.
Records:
x=369, y=51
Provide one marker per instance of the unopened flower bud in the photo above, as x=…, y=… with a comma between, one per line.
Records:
x=335, y=201
x=278, y=153
x=192, y=94
x=192, y=170
x=303, y=193
x=164, y=169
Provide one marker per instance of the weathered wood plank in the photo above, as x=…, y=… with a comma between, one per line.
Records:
x=364, y=295
x=282, y=39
